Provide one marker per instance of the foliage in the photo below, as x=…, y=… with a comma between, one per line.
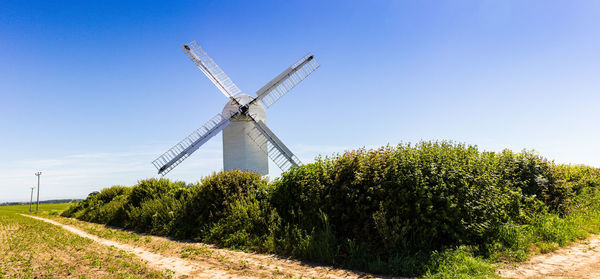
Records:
x=458, y=263
x=208, y=202
x=438, y=209
x=106, y=206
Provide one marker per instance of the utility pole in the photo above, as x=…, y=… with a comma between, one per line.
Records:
x=38, y=174
x=31, y=199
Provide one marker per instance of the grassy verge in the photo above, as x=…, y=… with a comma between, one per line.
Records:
x=31, y=248
x=209, y=257
x=192, y=251
x=516, y=244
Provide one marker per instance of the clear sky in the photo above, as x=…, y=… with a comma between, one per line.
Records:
x=92, y=91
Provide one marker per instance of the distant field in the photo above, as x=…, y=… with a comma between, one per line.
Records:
x=24, y=208
x=34, y=249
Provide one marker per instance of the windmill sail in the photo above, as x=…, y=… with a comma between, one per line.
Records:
x=240, y=104
x=270, y=144
x=174, y=156
x=211, y=69
x=284, y=82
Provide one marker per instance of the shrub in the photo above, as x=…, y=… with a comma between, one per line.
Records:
x=105, y=206
x=422, y=197
x=438, y=209
x=248, y=223
x=155, y=216
x=152, y=188
x=207, y=202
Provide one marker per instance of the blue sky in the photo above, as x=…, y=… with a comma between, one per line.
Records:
x=92, y=92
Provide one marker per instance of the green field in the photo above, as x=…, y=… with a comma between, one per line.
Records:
x=44, y=209
x=34, y=249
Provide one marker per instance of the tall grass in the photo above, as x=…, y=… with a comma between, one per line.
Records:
x=431, y=209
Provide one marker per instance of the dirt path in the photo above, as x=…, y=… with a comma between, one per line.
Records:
x=255, y=265
x=581, y=260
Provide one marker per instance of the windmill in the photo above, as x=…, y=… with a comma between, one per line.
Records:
x=247, y=141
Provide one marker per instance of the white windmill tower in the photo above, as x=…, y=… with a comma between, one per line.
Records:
x=247, y=141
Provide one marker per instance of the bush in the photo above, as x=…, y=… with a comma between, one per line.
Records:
x=438, y=209
x=423, y=197
x=152, y=205
x=106, y=206
x=155, y=216
x=149, y=189
x=208, y=202
x=248, y=223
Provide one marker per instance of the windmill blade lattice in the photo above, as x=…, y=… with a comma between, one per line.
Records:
x=238, y=152
x=211, y=69
x=174, y=156
x=270, y=144
x=284, y=82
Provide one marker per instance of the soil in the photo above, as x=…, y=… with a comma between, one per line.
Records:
x=581, y=260
x=228, y=264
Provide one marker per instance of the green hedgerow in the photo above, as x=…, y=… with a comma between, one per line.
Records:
x=433, y=209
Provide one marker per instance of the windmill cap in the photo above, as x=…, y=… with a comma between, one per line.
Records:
x=256, y=109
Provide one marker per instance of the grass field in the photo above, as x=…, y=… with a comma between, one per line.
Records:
x=34, y=249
